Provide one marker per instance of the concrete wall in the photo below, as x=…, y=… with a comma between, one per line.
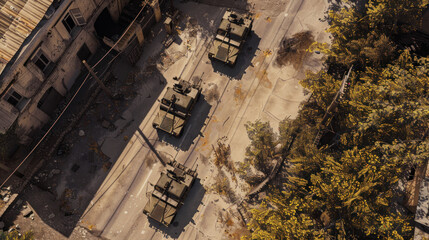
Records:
x=60, y=47
x=115, y=8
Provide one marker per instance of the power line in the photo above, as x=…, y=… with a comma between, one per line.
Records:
x=71, y=100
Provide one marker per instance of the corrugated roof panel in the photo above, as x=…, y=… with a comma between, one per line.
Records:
x=18, y=18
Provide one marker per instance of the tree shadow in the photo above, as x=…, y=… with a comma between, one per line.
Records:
x=185, y=214
x=192, y=128
x=244, y=59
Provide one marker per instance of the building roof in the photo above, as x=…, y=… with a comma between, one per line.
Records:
x=18, y=18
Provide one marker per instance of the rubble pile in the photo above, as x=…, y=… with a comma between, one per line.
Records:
x=5, y=194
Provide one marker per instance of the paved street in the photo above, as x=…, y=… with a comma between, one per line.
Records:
x=255, y=89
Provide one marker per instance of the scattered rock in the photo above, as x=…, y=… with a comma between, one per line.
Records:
x=81, y=133
x=17, y=226
x=51, y=216
x=26, y=212
x=75, y=167
x=106, y=124
x=6, y=199
x=63, y=149
x=54, y=172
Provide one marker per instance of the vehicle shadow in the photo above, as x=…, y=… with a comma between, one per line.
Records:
x=192, y=128
x=185, y=214
x=244, y=59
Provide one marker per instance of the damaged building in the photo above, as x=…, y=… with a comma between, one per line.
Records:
x=43, y=44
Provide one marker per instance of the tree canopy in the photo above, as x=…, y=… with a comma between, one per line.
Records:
x=349, y=190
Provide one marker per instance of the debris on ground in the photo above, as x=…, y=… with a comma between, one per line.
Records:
x=81, y=133
x=293, y=50
x=27, y=211
x=211, y=92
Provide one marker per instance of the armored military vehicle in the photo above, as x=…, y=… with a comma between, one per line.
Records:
x=169, y=193
x=176, y=107
x=230, y=37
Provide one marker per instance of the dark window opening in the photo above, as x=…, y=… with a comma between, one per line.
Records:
x=49, y=101
x=84, y=53
x=15, y=99
x=105, y=26
x=68, y=22
x=42, y=62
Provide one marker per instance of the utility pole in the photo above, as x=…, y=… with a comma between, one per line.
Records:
x=105, y=89
x=151, y=146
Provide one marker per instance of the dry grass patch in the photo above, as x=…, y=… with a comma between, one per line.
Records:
x=293, y=50
x=223, y=187
x=223, y=155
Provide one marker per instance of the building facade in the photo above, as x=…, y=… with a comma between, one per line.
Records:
x=43, y=43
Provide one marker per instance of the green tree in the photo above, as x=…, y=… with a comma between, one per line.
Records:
x=14, y=235
x=261, y=151
x=349, y=192
x=364, y=37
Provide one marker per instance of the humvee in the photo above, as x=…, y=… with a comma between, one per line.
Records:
x=169, y=193
x=230, y=37
x=176, y=107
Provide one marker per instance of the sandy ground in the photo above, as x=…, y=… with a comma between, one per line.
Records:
x=106, y=193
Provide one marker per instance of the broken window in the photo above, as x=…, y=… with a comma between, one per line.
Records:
x=72, y=19
x=15, y=99
x=43, y=62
